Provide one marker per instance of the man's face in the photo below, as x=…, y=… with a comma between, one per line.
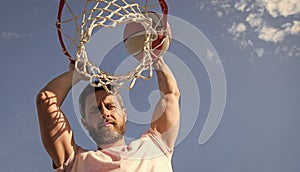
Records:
x=105, y=118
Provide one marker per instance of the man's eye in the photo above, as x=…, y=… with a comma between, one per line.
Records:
x=111, y=107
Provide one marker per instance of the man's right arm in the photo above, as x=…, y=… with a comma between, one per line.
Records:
x=55, y=130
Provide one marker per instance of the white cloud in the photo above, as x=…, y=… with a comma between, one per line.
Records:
x=201, y=5
x=9, y=35
x=271, y=34
x=237, y=29
x=219, y=14
x=282, y=7
x=259, y=51
x=254, y=24
x=254, y=20
x=210, y=54
x=241, y=5
x=241, y=27
x=13, y=35
x=294, y=29
x=277, y=34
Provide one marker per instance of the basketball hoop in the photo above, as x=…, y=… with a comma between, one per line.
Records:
x=75, y=28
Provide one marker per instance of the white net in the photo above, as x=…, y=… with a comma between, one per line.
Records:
x=97, y=14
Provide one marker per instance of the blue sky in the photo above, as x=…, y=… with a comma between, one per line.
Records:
x=255, y=42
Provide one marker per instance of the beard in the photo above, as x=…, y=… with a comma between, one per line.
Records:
x=103, y=135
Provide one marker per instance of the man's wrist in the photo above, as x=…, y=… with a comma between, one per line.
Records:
x=158, y=63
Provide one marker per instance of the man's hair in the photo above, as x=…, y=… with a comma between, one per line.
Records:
x=90, y=89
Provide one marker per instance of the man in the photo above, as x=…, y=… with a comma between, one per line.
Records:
x=104, y=116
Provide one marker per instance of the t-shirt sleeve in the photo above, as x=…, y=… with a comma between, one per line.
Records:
x=156, y=138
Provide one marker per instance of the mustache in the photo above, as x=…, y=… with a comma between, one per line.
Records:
x=106, y=121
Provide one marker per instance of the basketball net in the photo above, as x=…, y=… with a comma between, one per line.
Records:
x=96, y=14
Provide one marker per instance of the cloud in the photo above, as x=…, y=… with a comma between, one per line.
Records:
x=200, y=5
x=212, y=56
x=294, y=29
x=237, y=29
x=13, y=35
x=241, y=5
x=241, y=27
x=254, y=20
x=277, y=34
x=254, y=24
x=10, y=35
x=259, y=51
x=271, y=34
x=282, y=7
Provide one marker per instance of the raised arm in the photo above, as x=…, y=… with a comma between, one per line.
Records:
x=55, y=130
x=166, y=114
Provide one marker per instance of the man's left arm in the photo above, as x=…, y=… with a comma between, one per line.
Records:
x=166, y=115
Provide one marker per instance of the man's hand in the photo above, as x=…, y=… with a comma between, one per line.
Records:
x=76, y=75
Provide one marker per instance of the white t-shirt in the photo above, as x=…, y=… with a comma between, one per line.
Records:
x=146, y=154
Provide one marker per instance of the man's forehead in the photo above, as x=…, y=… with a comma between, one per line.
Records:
x=100, y=96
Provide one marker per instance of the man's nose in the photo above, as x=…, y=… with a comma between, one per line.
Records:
x=105, y=112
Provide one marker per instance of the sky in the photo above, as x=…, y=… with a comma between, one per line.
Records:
x=237, y=65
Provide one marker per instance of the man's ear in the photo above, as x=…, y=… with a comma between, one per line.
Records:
x=84, y=123
x=124, y=113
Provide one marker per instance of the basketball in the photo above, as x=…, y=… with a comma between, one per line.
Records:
x=134, y=37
